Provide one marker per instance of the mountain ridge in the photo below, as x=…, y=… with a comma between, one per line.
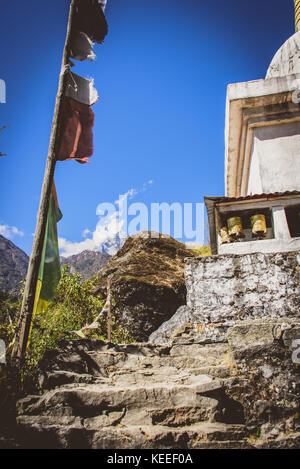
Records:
x=13, y=266
x=86, y=263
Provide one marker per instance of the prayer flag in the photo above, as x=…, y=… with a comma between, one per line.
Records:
x=81, y=89
x=81, y=47
x=76, y=140
x=49, y=271
x=89, y=18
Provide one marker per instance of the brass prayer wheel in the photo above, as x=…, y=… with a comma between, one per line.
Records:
x=225, y=238
x=235, y=227
x=259, y=226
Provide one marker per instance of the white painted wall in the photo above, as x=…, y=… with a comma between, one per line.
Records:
x=275, y=161
x=254, y=181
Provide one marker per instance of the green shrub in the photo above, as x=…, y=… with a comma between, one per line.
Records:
x=73, y=307
x=9, y=314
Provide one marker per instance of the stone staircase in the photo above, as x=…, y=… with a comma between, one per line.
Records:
x=138, y=396
x=191, y=393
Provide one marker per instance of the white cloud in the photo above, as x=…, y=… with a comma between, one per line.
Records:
x=10, y=231
x=86, y=232
x=104, y=233
x=108, y=234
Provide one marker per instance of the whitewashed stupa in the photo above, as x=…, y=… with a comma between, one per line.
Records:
x=261, y=208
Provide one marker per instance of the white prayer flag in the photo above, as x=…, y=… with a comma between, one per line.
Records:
x=81, y=89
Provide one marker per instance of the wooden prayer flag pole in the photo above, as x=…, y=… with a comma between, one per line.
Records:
x=22, y=334
x=109, y=310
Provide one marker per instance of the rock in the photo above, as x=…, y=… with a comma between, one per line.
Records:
x=252, y=336
x=188, y=332
x=163, y=334
x=147, y=282
x=264, y=361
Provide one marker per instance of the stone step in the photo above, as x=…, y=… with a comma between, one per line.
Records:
x=104, y=363
x=167, y=375
x=90, y=400
x=134, y=376
x=171, y=417
x=84, y=346
x=54, y=379
x=199, y=350
x=130, y=377
x=132, y=396
x=48, y=432
x=289, y=441
x=177, y=361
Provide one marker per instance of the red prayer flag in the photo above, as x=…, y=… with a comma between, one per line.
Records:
x=76, y=138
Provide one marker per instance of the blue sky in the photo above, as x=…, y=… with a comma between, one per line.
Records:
x=161, y=74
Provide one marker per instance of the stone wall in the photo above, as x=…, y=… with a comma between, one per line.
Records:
x=243, y=286
x=228, y=288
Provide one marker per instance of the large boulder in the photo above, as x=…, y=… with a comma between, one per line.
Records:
x=147, y=282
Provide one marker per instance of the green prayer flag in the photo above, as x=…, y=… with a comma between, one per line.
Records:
x=49, y=272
